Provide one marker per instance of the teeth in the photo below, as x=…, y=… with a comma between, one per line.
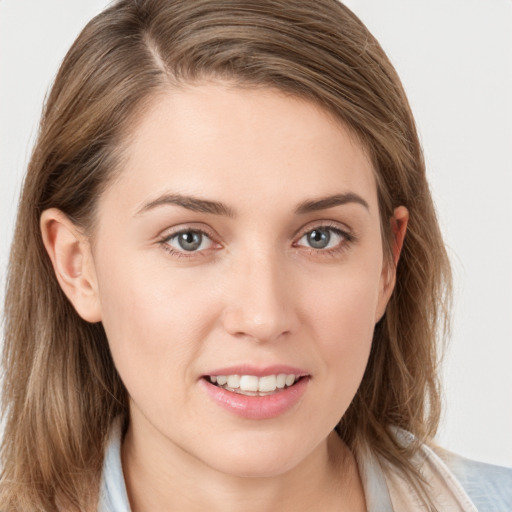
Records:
x=248, y=383
x=222, y=380
x=233, y=381
x=290, y=379
x=251, y=385
x=267, y=383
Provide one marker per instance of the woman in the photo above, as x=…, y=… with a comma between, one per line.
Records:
x=227, y=276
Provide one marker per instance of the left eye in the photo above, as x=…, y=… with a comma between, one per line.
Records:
x=190, y=241
x=322, y=238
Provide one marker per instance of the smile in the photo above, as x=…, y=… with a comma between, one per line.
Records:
x=256, y=393
x=251, y=385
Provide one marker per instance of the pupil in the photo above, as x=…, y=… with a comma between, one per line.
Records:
x=319, y=239
x=190, y=241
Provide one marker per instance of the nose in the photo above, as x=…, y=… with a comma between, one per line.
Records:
x=260, y=303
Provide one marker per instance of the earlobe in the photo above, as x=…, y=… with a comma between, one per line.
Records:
x=398, y=229
x=70, y=253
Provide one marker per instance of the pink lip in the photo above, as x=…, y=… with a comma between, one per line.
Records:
x=256, y=407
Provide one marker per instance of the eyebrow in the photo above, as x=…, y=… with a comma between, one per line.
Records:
x=330, y=202
x=190, y=203
x=217, y=208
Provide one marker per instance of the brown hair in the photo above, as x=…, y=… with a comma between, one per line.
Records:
x=61, y=390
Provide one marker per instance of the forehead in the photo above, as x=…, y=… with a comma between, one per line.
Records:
x=241, y=145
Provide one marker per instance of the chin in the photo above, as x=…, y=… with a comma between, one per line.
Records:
x=260, y=467
x=257, y=457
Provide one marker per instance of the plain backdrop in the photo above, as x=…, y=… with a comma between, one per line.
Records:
x=455, y=60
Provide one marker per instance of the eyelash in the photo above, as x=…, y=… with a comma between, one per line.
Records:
x=343, y=245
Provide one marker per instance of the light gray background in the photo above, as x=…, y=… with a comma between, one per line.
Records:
x=455, y=60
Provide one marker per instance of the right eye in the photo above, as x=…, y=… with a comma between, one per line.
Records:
x=189, y=241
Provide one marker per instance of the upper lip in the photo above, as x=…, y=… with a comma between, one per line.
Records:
x=258, y=371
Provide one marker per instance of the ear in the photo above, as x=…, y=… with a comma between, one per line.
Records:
x=70, y=253
x=388, y=277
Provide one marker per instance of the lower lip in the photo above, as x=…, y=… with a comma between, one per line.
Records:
x=257, y=407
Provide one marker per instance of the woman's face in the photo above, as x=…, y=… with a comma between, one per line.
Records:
x=241, y=242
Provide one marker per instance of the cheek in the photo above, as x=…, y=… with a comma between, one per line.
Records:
x=345, y=307
x=343, y=317
x=152, y=325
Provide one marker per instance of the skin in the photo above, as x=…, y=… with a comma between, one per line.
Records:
x=255, y=292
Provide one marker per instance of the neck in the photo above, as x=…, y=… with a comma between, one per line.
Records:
x=161, y=476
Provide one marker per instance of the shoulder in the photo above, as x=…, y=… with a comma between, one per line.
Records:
x=488, y=486
x=475, y=486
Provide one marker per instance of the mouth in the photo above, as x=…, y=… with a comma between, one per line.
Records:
x=252, y=385
x=256, y=393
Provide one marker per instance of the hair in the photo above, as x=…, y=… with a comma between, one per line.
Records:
x=61, y=391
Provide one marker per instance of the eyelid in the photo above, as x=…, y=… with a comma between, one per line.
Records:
x=184, y=228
